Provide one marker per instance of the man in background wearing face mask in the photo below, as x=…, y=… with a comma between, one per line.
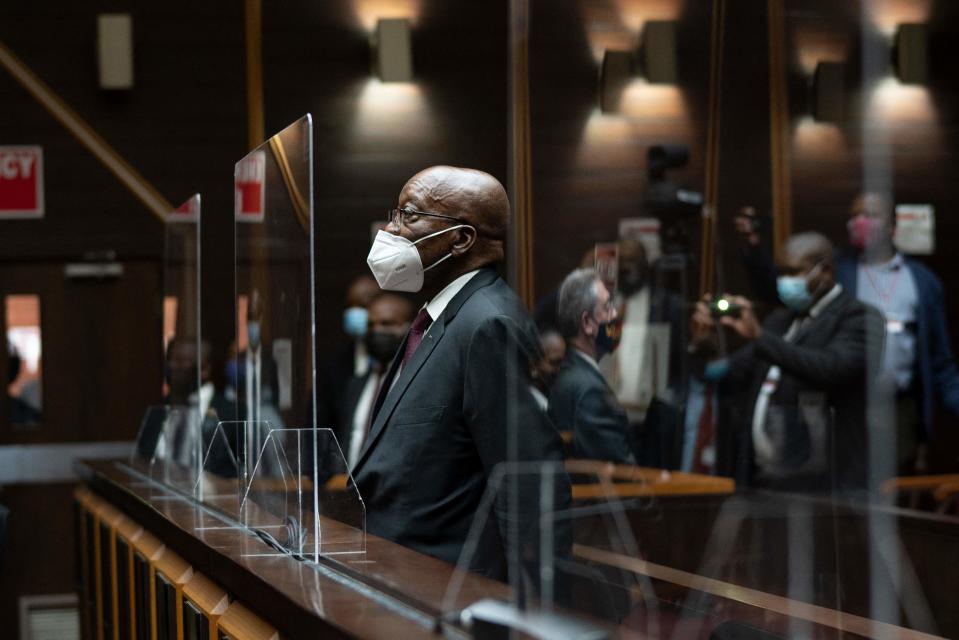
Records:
x=644, y=372
x=806, y=373
x=455, y=402
x=581, y=401
x=387, y=322
x=349, y=360
x=918, y=367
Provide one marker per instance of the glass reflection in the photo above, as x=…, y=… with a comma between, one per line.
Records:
x=24, y=359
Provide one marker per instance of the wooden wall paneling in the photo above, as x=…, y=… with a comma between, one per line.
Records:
x=93, y=142
x=84, y=501
x=147, y=551
x=104, y=513
x=209, y=599
x=127, y=533
x=171, y=572
x=370, y=137
x=589, y=168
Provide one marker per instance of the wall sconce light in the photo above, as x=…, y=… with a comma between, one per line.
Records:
x=392, y=50
x=827, y=92
x=657, y=52
x=654, y=59
x=115, y=50
x=910, y=54
x=615, y=74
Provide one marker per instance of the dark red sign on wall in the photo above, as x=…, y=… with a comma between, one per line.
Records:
x=21, y=182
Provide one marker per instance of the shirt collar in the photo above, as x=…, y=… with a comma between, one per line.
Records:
x=207, y=391
x=588, y=358
x=824, y=301
x=437, y=305
x=897, y=261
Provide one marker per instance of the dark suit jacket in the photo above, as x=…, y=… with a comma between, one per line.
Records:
x=826, y=370
x=582, y=402
x=937, y=377
x=460, y=407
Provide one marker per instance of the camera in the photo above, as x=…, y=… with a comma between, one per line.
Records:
x=723, y=307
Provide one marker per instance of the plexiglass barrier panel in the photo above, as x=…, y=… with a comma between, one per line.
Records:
x=227, y=466
x=149, y=434
x=170, y=437
x=273, y=267
x=284, y=505
x=167, y=449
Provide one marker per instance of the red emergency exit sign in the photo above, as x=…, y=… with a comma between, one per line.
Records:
x=21, y=182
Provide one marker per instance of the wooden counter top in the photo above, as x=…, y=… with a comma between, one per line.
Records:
x=388, y=591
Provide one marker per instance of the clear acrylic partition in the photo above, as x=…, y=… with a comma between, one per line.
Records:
x=273, y=268
x=170, y=439
x=275, y=306
x=166, y=449
x=283, y=504
x=227, y=466
x=759, y=488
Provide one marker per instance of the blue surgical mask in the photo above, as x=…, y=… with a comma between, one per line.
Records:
x=234, y=373
x=716, y=370
x=253, y=333
x=793, y=292
x=354, y=322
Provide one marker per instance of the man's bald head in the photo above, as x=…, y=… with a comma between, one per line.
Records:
x=470, y=195
x=809, y=255
x=808, y=248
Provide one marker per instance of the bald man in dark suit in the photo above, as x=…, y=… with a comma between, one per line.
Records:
x=456, y=400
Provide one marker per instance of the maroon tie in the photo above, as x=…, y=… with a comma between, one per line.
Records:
x=417, y=329
x=705, y=433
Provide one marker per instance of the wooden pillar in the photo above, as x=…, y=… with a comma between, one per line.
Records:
x=520, y=241
x=781, y=187
x=708, y=256
x=254, y=73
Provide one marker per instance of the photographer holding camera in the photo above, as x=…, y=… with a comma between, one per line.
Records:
x=804, y=375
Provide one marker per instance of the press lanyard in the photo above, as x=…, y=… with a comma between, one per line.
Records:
x=884, y=296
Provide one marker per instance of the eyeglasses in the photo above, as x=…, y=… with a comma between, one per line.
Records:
x=609, y=307
x=403, y=217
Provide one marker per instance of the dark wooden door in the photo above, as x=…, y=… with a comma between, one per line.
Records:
x=101, y=350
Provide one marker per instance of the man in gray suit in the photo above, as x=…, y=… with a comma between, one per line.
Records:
x=581, y=401
x=455, y=402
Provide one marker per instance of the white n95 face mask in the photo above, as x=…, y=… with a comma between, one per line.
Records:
x=395, y=261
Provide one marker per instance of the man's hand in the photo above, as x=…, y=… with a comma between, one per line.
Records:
x=702, y=325
x=746, y=325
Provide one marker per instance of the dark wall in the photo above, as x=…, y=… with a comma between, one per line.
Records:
x=370, y=137
x=589, y=168
x=181, y=127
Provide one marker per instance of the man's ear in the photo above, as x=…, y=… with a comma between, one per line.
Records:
x=465, y=238
x=586, y=323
